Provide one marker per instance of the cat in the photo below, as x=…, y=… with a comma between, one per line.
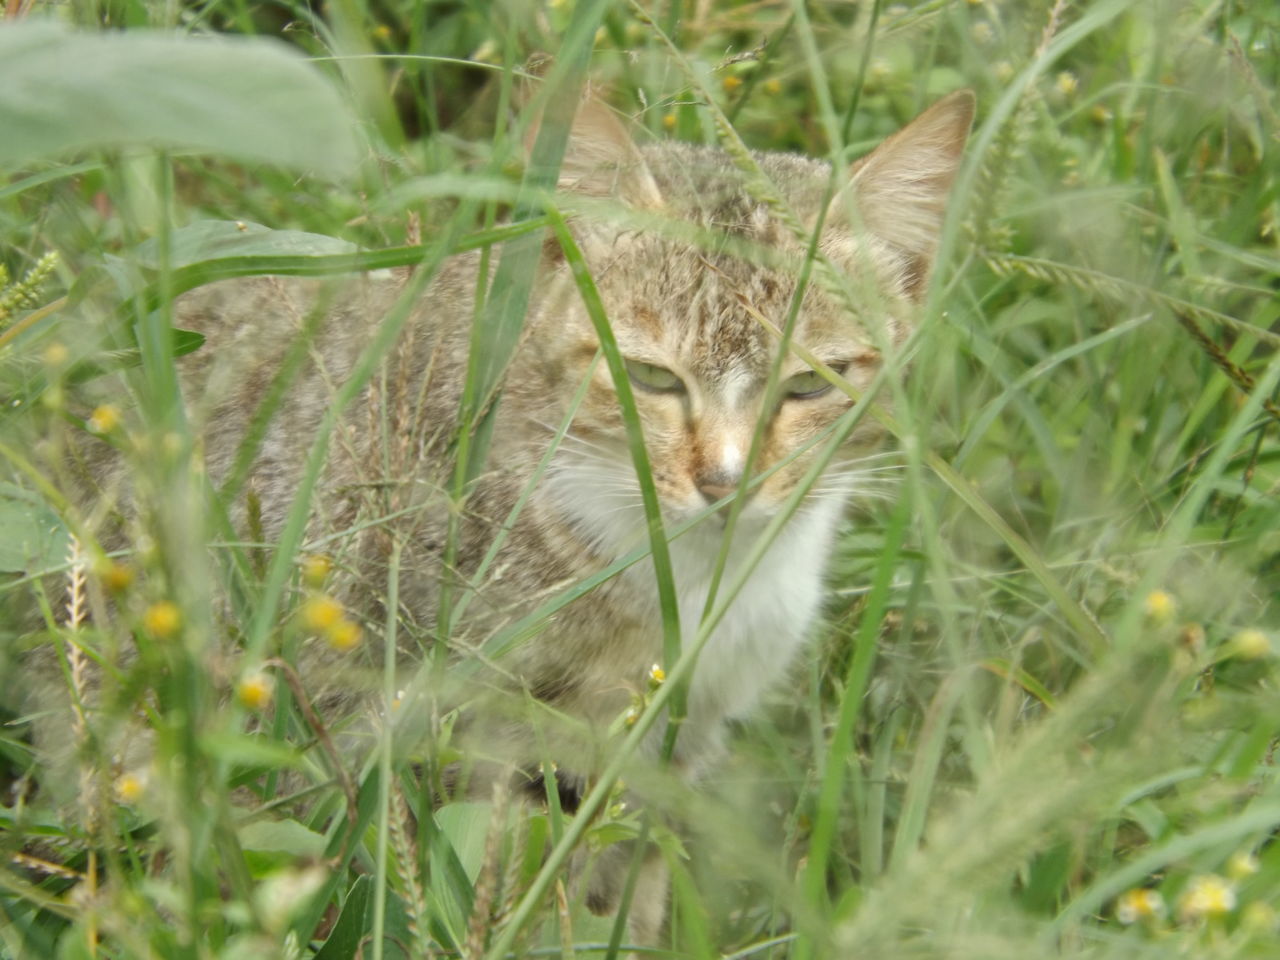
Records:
x=687, y=318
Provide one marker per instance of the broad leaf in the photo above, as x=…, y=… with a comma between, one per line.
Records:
x=253, y=99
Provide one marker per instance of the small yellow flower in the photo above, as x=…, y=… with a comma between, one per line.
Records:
x=1160, y=606
x=162, y=619
x=381, y=32
x=1067, y=83
x=321, y=612
x=1100, y=114
x=343, y=635
x=1242, y=864
x=669, y=121
x=104, y=419
x=129, y=787
x=255, y=689
x=1251, y=644
x=731, y=83
x=56, y=354
x=773, y=86
x=116, y=577
x=1139, y=904
x=657, y=675
x=315, y=569
x=1207, y=896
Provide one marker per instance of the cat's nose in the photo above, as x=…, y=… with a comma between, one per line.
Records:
x=712, y=491
x=717, y=486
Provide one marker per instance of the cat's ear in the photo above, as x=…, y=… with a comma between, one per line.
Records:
x=901, y=187
x=601, y=159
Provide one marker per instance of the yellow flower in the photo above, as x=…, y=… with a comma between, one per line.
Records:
x=1160, y=606
x=116, y=577
x=1251, y=644
x=255, y=689
x=162, y=619
x=104, y=419
x=321, y=612
x=129, y=787
x=657, y=675
x=1067, y=83
x=1207, y=896
x=773, y=86
x=315, y=569
x=731, y=83
x=1139, y=904
x=343, y=635
x=669, y=121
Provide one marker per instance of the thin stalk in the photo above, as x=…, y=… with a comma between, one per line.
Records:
x=384, y=751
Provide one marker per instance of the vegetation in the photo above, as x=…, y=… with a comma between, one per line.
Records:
x=1041, y=718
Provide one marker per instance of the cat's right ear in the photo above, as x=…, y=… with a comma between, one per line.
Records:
x=901, y=187
x=601, y=159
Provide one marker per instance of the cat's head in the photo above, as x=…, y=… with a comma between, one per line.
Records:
x=697, y=269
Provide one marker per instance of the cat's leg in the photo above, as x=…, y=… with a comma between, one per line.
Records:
x=647, y=911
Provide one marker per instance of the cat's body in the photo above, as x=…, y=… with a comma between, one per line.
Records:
x=687, y=320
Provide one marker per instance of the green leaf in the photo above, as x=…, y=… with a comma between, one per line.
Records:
x=353, y=923
x=250, y=750
x=283, y=836
x=218, y=239
x=32, y=537
x=62, y=92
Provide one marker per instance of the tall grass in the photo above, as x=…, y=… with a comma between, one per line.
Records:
x=1040, y=717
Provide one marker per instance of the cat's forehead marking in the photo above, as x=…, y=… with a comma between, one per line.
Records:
x=734, y=385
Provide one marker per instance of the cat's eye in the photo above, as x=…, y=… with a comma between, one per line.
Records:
x=810, y=384
x=652, y=377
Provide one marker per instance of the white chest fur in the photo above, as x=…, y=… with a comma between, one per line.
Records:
x=767, y=620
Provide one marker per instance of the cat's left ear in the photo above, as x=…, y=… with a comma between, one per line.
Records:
x=901, y=187
x=601, y=159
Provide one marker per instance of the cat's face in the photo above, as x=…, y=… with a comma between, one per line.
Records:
x=693, y=324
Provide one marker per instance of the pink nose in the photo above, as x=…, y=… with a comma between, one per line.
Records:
x=712, y=492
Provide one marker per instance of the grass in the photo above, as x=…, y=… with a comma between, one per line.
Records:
x=1041, y=715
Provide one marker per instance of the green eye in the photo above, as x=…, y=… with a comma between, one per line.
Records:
x=655, y=378
x=805, y=386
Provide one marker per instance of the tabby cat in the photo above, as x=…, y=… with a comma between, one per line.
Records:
x=692, y=320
